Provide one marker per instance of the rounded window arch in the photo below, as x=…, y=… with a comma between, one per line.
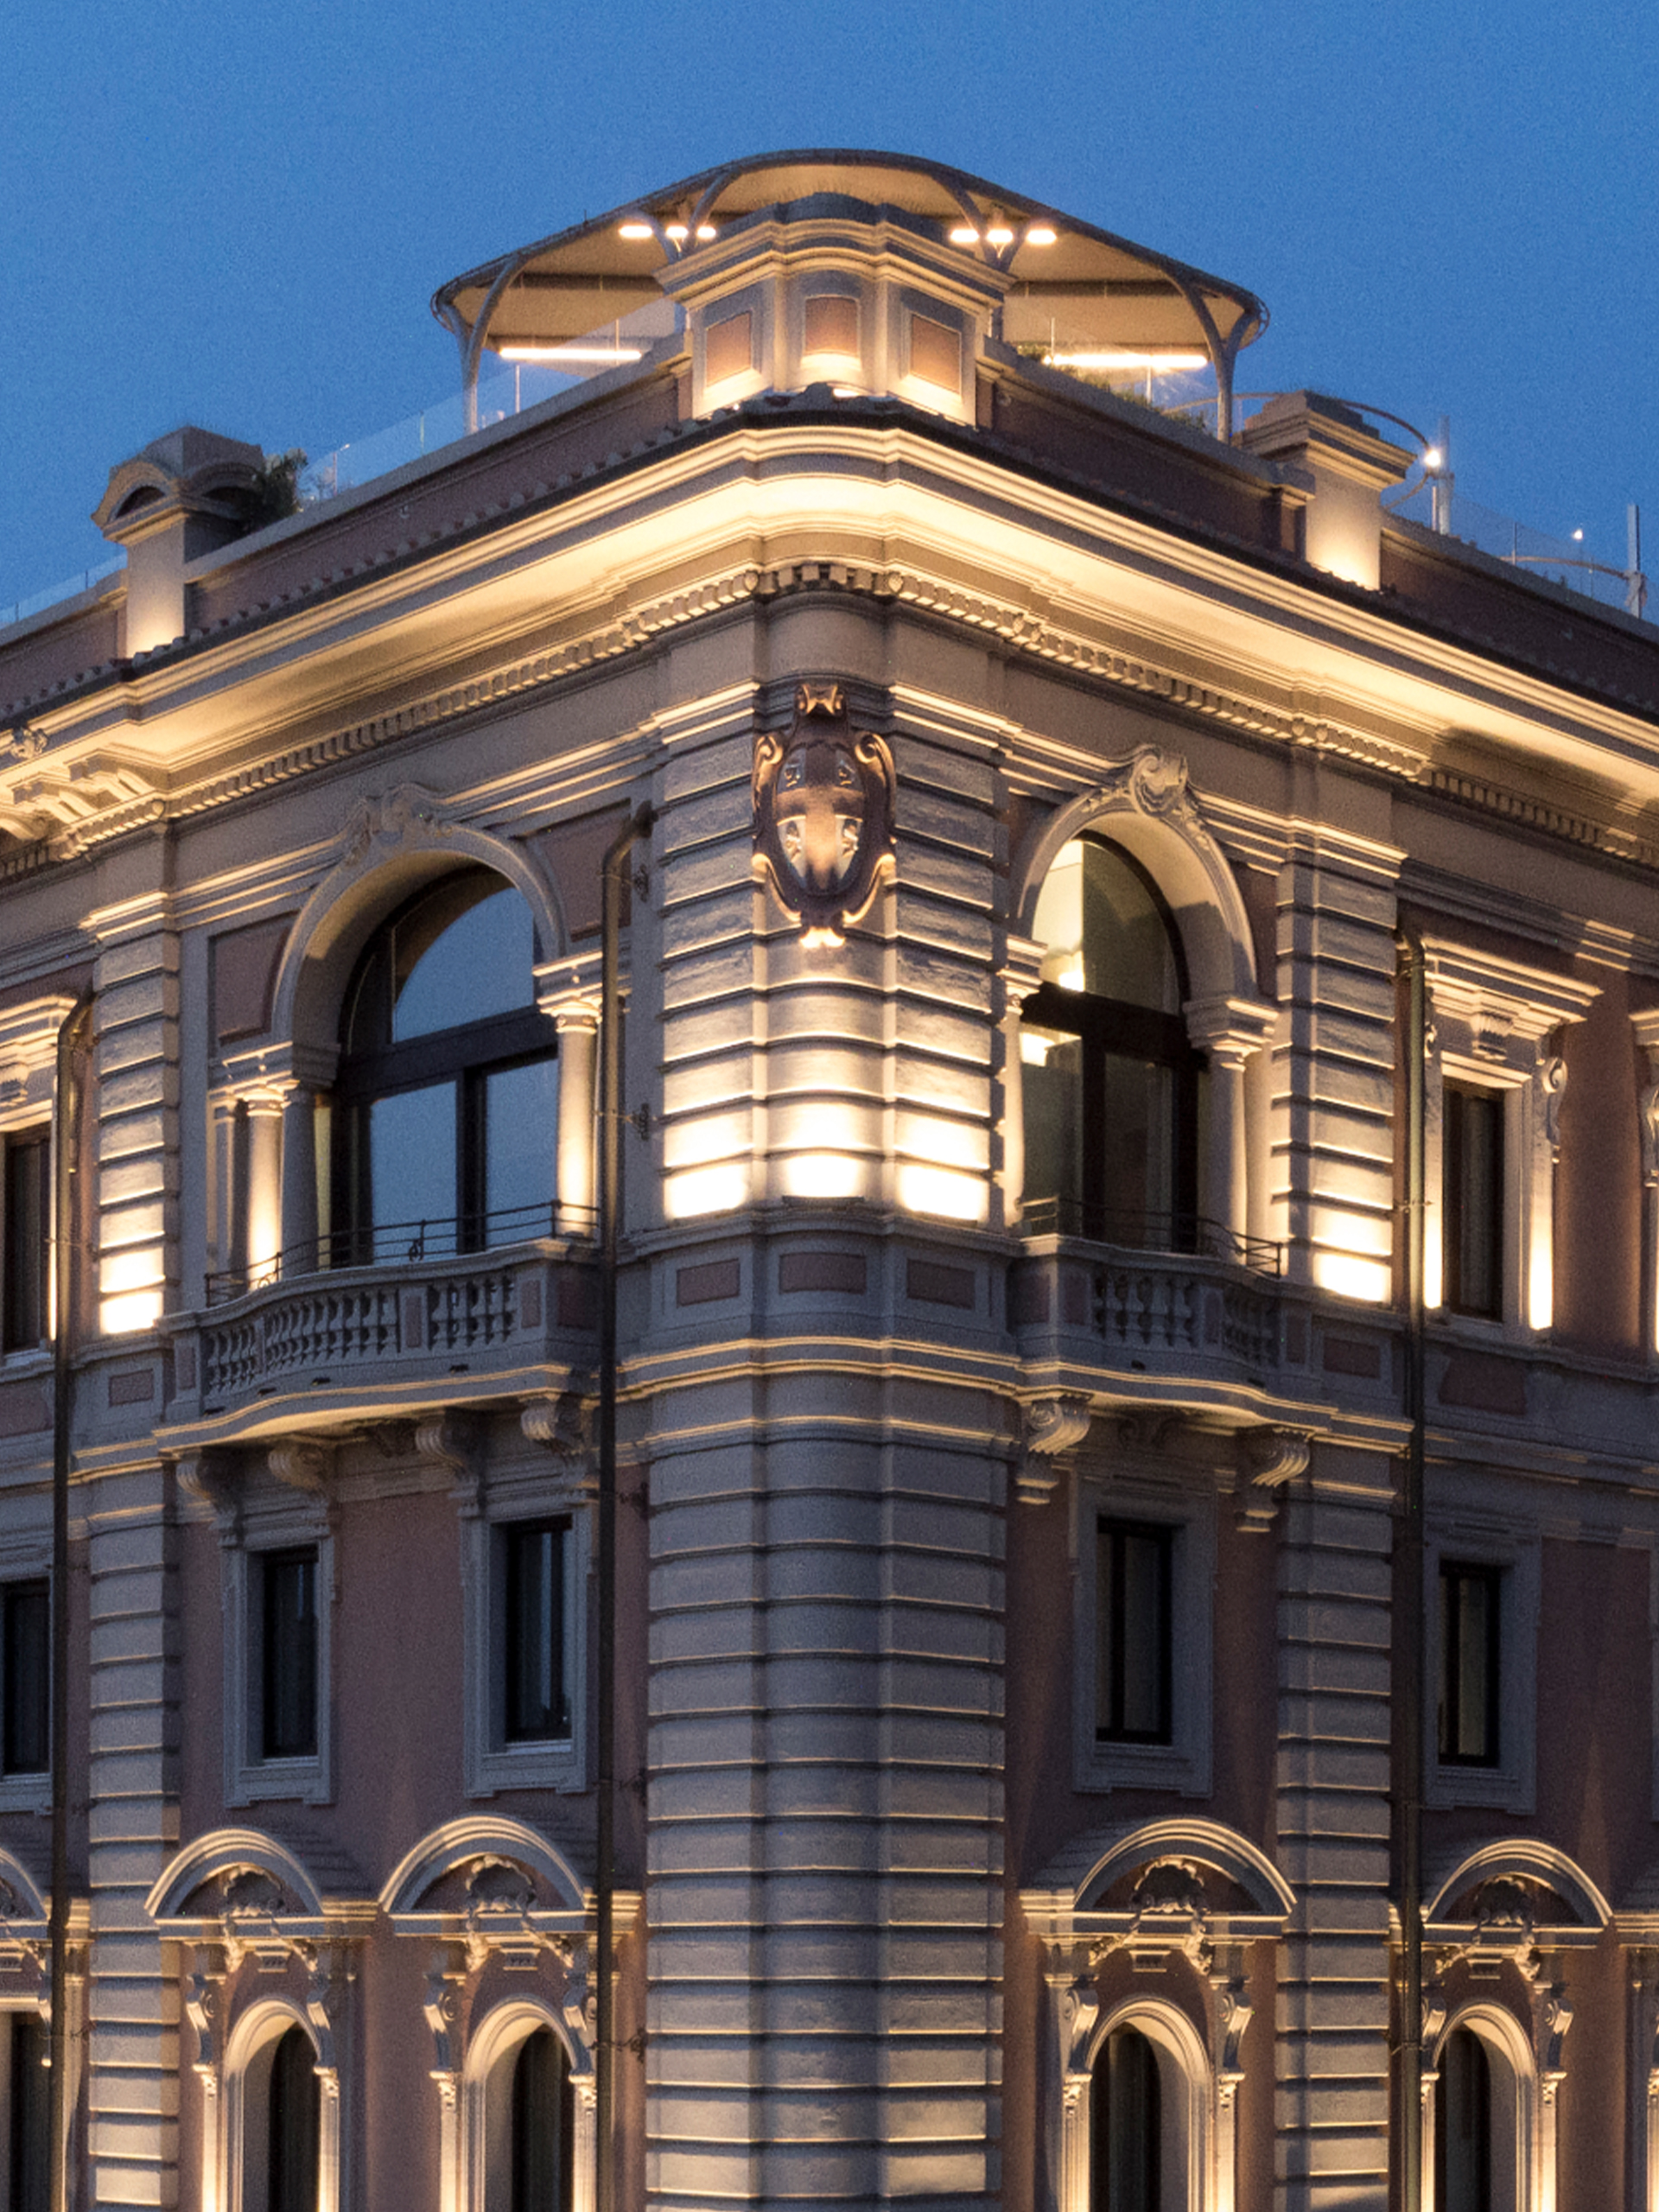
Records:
x=1149, y=2113
x=277, y=2147
x=1483, y=2116
x=1111, y=1078
x=446, y=1099
x=521, y=2116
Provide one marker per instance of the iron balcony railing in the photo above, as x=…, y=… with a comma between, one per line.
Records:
x=397, y=1243
x=1191, y=1234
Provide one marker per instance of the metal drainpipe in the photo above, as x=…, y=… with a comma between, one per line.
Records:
x=65, y=1133
x=615, y=880
x=1409, y=1595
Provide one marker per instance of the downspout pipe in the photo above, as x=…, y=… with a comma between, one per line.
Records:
x=65, y=1138
x=1409, y=1592
x=616, y=875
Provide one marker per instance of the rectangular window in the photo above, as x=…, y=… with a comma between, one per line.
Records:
x=26, y=1682
x=288, y=1653
x=1471, y=1656
x=536, y=1564
x=27, y=1199
x=1133, y=1592
x=1473, y=1198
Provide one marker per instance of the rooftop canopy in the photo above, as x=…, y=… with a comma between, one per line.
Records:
x=1077, y=291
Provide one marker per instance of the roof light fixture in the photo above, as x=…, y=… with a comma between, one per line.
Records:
x=1433, y=458
x=964, y=234
x=1118, y=357
x=707, y=231
x=677, y=231
x=556, y=356
x=1042, y=234
x=999, y=234
x=635, y=230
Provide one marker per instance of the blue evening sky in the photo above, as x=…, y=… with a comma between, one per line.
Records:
x=234, y=212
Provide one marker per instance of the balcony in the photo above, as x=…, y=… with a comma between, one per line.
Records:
x=370, y=1332
x=1214, y=1327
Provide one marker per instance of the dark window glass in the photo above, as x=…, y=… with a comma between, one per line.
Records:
x=1128, y=2126
x=1132, y=1596
x=29, y=1212
x=1473, y=1155
x=30, y=2087
x=26, y=1656
x=541, y=2125
x=1470, y=1606
x=538, y=1694
x=446, y=1129
x=1463, y=2136
x=1110, y=1081
x=287, y=1636
x=294, y=2115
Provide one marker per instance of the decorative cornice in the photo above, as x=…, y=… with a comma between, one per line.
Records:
x=100, y=815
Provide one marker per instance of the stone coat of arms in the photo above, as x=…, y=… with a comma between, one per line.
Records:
x=824, y=800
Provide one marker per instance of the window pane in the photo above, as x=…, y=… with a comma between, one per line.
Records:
x=1052, y=1067
x=539, y=2184
x=1469, y=1598
x=537, y=1694
x=294, y=2139
x=31, y=2115
x=28, y=1203
x=480, y=964
x=1473, y=1192
x=27, y=1657
x=411, y=1164
x=1101, y=930
x=521, y=1129
x=1137, y=1175
x=1133, y=1597
x=289, y=1654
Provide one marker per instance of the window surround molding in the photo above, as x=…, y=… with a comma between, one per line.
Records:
x=485, y=1892
x=295, y=1506
x=25, y=1556
x=29, y=1061
x=26, y=1969
x=241, y=1899
x=395, y=843
x=1141, y=1485
x=557, y=1480
x=1526, y=1903
x=1492, y=1021
x=1646, y=1027
x=1145, y=806
x=1518, y=1552
x=1173, y=1935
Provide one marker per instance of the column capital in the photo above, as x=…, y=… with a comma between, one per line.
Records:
x=1230, y=1028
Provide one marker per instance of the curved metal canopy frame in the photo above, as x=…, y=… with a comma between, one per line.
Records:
x=575, y=281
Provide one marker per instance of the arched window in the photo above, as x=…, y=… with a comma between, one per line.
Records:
x=1477, y=2156
x=1112, y=1079
x=293, y=2126
x=28, y=2166
x=525, y=2119
x=446, y=1099
x=1128, y=2126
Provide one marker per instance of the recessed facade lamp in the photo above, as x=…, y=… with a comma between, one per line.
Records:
x=635, y=230
x=964, y=234
x=1115, y=357
x=707, y=231
x=999, y=234
x=676, y=232
x=1041, y=234
x=554, y=356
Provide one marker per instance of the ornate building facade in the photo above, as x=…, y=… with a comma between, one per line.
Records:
x=1128, y=1554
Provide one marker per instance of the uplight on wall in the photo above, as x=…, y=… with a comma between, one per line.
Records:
x=698, y=1191
x=131, y=1292
x=944, y=1192
x=824, y=1175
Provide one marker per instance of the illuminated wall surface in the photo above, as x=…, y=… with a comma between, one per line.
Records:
x=1044, y=798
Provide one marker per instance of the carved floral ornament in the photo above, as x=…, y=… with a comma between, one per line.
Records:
x=823, y=807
